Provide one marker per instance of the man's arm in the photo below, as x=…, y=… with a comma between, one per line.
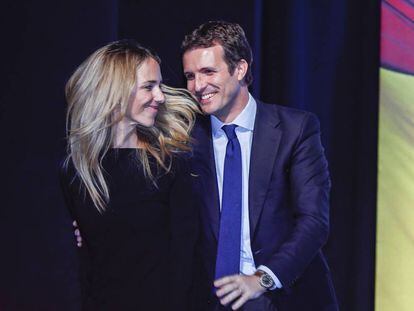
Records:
x=310, y=186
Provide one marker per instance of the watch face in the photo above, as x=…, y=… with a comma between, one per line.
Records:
x=266, y=281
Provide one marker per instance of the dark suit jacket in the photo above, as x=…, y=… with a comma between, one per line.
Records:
x=288, y=206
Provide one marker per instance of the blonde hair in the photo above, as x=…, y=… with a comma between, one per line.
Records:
x=102, y=85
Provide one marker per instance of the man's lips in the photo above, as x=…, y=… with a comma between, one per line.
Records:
x=205, y=98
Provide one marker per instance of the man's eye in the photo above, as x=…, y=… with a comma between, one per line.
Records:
x=189, y=77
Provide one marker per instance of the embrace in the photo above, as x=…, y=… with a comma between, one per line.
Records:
x=197, y=199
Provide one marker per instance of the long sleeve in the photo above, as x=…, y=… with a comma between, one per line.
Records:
x=184, y=232
x=310, y=185
x=66, y=180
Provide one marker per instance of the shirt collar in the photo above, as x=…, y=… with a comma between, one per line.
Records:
x=245, y=119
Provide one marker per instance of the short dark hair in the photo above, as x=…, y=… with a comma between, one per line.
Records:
x=230, y=36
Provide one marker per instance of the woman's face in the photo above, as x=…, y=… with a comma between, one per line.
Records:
x=148, y=96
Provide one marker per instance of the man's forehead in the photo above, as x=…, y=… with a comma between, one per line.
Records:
x=203, y=56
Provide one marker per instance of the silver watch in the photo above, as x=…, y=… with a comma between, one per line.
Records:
x=265, y=280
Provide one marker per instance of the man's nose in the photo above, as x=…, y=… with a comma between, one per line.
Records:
x=199, y=84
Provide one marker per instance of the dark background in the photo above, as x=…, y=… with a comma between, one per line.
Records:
x=317, y=55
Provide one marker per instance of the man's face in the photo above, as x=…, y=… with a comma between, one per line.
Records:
x=208, y=78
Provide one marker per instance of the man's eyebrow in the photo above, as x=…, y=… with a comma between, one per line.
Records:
x=202, y=69
x=208, y=68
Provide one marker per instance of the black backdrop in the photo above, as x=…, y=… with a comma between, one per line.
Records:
x=316, y=55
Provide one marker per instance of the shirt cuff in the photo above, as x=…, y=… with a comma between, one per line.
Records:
x=272, y=275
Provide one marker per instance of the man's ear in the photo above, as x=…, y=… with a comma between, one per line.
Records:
x=241, y=69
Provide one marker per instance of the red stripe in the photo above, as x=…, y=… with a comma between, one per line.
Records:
x=397, y=37
x=402, y=6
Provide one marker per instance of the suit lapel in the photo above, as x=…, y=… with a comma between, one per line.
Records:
x=266, y=140
x=204, y=165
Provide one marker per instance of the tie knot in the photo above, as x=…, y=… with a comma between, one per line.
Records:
x=230, y=131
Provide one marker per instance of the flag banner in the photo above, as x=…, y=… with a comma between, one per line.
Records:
x=394, y=283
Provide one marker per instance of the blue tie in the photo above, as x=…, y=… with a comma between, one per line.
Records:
x=228, y=249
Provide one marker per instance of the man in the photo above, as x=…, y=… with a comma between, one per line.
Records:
x=263, y=184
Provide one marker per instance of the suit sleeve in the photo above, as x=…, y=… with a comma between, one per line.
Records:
x=184, y=232
x=310, y=186
x=66, y=180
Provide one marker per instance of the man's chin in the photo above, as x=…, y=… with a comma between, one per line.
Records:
x=207, y=108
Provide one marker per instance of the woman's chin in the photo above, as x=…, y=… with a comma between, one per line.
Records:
x=145, y=123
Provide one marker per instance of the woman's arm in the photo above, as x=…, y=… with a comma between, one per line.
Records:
x=184, y=233
x=67, y=183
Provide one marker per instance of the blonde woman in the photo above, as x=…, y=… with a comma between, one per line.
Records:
x=126, y=181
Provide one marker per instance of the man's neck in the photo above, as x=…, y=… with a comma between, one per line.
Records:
x=234, y=110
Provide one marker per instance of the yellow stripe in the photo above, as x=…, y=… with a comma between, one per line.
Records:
x=395, y=217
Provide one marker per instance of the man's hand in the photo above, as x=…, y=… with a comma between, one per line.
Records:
x=240, y=287
x=77, y=234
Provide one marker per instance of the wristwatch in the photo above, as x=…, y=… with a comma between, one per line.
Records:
x=265, y=280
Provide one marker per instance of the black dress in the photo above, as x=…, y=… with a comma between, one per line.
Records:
x=137, y=254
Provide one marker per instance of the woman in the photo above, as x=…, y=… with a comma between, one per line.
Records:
x=126, y=181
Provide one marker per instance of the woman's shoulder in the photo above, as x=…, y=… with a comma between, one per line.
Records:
x=180, y=166
x=181, y=160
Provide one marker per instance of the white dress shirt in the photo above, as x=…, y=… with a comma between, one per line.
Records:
x=244, y=132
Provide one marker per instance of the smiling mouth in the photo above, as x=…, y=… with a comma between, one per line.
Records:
x=154, y=107
x=206, y=97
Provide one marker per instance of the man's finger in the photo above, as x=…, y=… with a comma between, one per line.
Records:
x=225, y=289
x=225, y=280
x=240, y=302
x=230, y=297
x=74, y=223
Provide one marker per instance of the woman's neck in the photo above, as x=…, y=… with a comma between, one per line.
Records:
x=125, y=135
